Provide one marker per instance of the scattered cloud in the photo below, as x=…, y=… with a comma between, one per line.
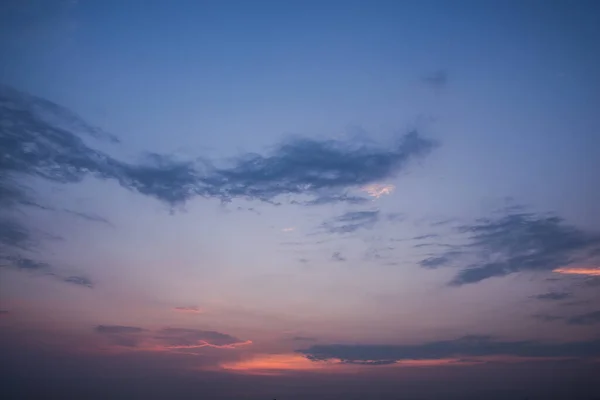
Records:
x=553, y=296
x=468, y=346
x=337, y=256
x=188, y=310
x=377, y=190
x=351, y=221
x=44, y=140
x=514, y=243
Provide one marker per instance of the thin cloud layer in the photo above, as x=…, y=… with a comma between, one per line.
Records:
x=351, y=221
x=515, y=243
x=468, y=346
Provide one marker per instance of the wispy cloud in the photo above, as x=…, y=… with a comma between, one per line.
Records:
x=168, y=338
x=79, y=280
x=188, y=310
x=337, y=256
x=468, y=346
x=553, y=296
x=351, y=221
x=514, y=243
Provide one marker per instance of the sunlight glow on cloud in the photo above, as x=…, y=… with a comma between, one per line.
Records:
x=377, y=189
x=290, y=229
x=275, y=363
x=578, y=271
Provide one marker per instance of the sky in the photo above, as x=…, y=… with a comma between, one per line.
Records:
x=299, y=199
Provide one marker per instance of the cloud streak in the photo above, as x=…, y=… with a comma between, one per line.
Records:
x=351, y=222
x=468, y=346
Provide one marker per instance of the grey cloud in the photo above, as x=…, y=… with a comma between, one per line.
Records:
x=468, y=346
x=514, y=243
x=585, y=319
x=351, y=221
x=4, y=312
x=191, y=337
x=553, y=296
x=337, y=256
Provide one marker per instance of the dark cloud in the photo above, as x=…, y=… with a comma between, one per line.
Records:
x=590, y=318
x=4, y=312
x=514, y=243
x=468, y=346
x=351, y=221
x=79, y=280
x=553, y=296
x=337, y=256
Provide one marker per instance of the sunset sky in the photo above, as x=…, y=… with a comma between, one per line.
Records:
x=299, y=199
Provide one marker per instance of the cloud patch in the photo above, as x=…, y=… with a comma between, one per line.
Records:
x=516, y=242
x=468, y=346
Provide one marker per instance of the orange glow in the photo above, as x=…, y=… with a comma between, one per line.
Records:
x=275, y=363
x=378, y=190
x=188, y=310
x=579, y=271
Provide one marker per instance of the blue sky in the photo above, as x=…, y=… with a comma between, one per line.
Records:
x=398, y=174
